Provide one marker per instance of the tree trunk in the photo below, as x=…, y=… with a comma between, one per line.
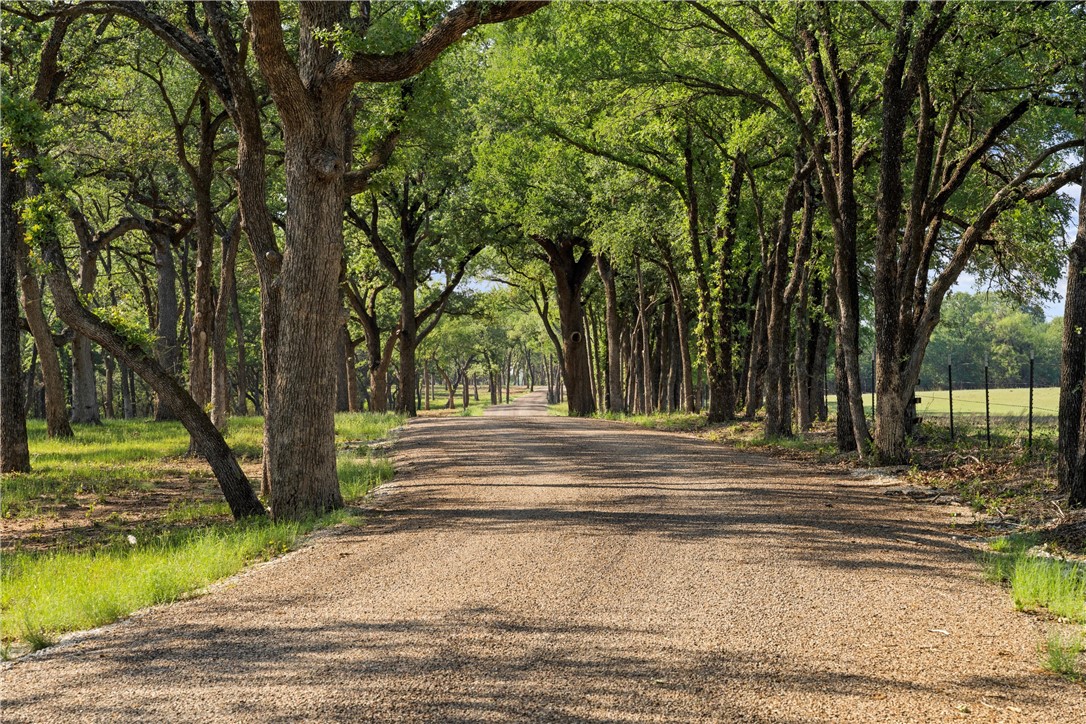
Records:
x=782, y=293
x=220, y=397
x=756, y=364
x=302, y=426
x=241, y=373
x=1072, y=415
x=570, y=272
x=167, y=351
x=128, y=397
x=801, y=361
x=203, y=305
x=354, y=394
x=56, y=412
x=235, y=487
x=107, y=403
x=614, y=399
x=14, y=452
x=84, y=387
x=343, y=403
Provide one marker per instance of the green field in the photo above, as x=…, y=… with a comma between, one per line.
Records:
x=1004, y=402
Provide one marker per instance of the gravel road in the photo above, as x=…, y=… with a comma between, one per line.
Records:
x=523, y=567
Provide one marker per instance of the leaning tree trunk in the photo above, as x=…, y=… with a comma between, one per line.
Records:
x=56, y=407
x=235, y=487
x=14, y=453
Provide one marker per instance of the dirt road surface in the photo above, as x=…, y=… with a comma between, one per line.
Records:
x=531, y=568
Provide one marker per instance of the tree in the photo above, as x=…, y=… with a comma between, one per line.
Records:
x=1072, y=419
x=14, y=453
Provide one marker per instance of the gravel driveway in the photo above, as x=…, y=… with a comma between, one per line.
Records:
x=523, y=567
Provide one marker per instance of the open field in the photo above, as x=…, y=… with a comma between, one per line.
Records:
x=1004, y=402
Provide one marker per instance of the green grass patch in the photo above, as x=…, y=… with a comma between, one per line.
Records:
x=666, y=421
x=48, y=594
x=361, y=473
x=183, y=549
x=1038, y=583
x=1061, y=654
x=130, y=454
x=357, y=426
x=1002, y=402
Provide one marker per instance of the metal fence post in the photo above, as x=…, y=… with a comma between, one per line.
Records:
x=1029, y=444
x=987, y=412
x=950, y=390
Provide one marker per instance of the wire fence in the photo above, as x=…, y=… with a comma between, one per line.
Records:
x=992, y=416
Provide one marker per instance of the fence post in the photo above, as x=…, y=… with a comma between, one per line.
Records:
x=987, y=414
x=1029, y=444
x=950, y=390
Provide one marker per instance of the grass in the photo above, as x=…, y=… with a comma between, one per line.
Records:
x=668, y=422
x=45, y=595
x=130, y=454
x=1002, y=401
x=1060, y=655
x=187, y=546
x=1038, y=583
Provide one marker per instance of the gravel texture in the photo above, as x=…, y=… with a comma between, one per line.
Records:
x=523, y=567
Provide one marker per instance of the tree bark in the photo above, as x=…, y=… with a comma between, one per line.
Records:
x=241, y=372
x=167, y=349
x=1072, y=415
x=14, y=452
x=84, y=386
x=220, y=393
x=56, y=407
x=614, y=400
x=570, y=272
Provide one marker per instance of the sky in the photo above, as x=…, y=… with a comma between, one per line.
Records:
x=1054, y=308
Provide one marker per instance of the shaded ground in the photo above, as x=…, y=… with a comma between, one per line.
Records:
x=531, y=568
x=180, y=485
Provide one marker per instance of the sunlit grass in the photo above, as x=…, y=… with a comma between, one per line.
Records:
x=45, y=595
x=1038, y=583
x=188, y=546
x=131, y=454
x=1061, y=655
x=666, y=421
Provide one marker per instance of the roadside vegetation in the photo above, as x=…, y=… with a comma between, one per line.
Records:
x=117, y=519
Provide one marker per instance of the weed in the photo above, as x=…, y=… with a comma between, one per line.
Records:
x=36, y=636
x=1060, y=655
x=358, y=476
x=1037, y=583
